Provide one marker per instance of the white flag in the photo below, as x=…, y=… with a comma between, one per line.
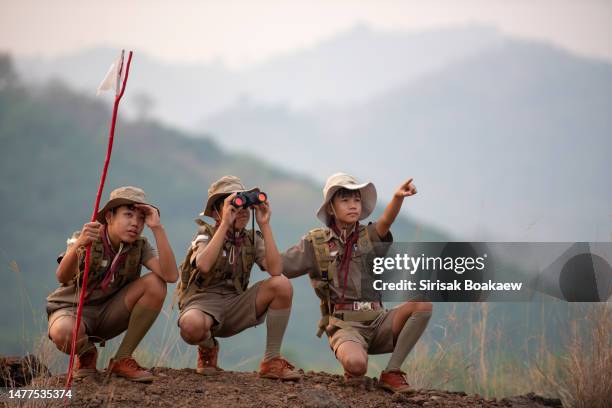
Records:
x=112, y=80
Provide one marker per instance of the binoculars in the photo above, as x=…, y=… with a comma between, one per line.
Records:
x=247, y=199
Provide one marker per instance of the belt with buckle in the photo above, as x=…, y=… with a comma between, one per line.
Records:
x=358, y=306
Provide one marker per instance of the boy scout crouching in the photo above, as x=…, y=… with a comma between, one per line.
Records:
x=333, y=257
x=117, y=297
x=214, y=297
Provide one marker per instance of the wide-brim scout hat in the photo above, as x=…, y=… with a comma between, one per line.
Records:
x=342, y=180
x=225, y=186
x=123, y=196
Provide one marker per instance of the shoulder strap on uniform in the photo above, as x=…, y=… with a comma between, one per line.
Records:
x=321, y=249
x=203, y=226
x=364, y=243
x=134, y=255
x=188, y=273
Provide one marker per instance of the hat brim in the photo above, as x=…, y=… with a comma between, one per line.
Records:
x=114, y=203
x=208, y=211
x=368, y=200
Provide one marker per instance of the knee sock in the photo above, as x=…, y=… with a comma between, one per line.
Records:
x=141, y=320
x=407, y=338
x=276, y=323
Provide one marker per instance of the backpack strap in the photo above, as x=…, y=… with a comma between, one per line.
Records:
x=96, y=259
x=322, y=275
x=189, y=273
x=132, y=266
x=364, y=243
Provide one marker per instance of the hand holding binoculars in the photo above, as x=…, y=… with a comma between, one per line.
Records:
x=247, y=199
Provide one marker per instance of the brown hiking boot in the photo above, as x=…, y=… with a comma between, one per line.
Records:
x=394, y=381
x=207, y=360
x=278, y=368
x=86, y=364
x=128, y=367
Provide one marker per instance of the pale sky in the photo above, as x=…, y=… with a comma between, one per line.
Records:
x=244, y=32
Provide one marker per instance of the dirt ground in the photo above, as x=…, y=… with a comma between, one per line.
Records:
x=186, y=388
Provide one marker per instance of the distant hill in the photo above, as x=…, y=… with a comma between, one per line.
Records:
x=493, y=129
x=350, y=66
x=510, y=144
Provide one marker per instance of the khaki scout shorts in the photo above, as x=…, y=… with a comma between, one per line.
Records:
x=375, y=337
x=103, y=321
x=232, y=312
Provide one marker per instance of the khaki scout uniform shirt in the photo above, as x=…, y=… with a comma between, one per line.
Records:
x=68, y=294
x=300, y=260
x=227, y=286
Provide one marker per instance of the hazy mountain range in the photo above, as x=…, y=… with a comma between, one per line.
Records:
x=351, y=66
x=510, y=144
x=507, y=139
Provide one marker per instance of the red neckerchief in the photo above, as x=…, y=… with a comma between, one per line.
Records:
x=110, y=253
x=351, y=240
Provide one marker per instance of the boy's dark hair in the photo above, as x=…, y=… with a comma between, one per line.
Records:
x=130, y=207
x=219, y=203
x=345, y=192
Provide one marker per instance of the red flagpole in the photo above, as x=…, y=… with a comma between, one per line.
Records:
x=109, y=150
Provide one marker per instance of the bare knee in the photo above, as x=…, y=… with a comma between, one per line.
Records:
x=155, y=287
x=61, y=334
x=356, y=364
x=192, y=333
x=194, y=328
x=353, y=358
x=281, y=286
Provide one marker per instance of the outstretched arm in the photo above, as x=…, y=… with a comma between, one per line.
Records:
x=385, y=221
x=299, y=259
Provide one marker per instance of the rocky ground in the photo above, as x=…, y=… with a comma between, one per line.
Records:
x=185, y=388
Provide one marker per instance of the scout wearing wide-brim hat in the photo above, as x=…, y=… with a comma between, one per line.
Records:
x=225, y=186
x=336, y=261
x=342, y=180
x=102, y=301
x=123, y=196
x=222, y=291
